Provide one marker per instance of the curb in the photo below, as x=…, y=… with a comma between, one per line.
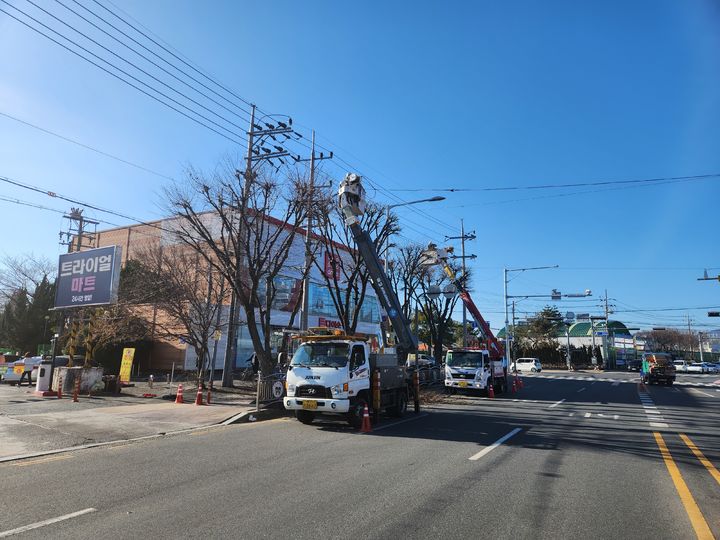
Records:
x=241, y=418
x=252, y=416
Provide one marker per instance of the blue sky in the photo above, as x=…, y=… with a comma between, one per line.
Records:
x=421, y=95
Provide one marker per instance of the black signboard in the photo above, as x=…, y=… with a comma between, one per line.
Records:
x=88, y=278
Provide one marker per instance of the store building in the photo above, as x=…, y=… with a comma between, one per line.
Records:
x=164, y=353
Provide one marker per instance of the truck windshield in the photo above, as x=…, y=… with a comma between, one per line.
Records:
x=464, y=359
x=321, y=354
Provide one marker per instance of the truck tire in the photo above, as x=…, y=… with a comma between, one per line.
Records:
x=400, y=407
x=355, y=415
x=669, y=382
x=306, y=417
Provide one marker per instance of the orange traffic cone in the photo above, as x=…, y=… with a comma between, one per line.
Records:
x=59, y=392
x=208, y=396
x=77, y=390
x=521, y=384
x=198, y=396
x=366, y=421
x=514, y=387
x=490, y=390
x=179, y=396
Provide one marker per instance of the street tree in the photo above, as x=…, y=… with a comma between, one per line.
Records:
x=243, y=226
x=340, y=263
x=188, y=293
x=540, y=330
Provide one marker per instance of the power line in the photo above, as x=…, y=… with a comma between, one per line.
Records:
x=87, y=147
x=116, y=75
x=174, y=55
x=121, y=42
x=572, y=194
x=577, y=184
x=81, y=203
x=71, y=27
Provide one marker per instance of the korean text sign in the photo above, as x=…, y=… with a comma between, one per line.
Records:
x=88, y=278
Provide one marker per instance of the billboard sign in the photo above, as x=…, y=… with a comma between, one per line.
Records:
x=88, y=278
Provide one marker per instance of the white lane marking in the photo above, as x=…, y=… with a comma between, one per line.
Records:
x=658, y=424
x=615, y=417
x=494, y=445
x=571, y=414
x=44, y=523
x=399, y=422
x=616, y=383
x=592, y=383
x=582, y=389
x=588, y=415
x=556, y=404
x=703, y=393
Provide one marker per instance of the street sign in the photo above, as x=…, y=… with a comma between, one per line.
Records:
x=88, y=278
x=601, y=333
x=126, y=365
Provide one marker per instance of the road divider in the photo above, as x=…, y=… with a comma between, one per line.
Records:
x=698, y=454
x=699, y=524
x=494, y=445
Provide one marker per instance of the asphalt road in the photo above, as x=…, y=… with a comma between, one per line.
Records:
x=588, y=458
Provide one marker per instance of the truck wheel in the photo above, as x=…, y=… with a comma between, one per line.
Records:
x=669, y=382
x=306, y=417
x=400, y=407
x=355, y=415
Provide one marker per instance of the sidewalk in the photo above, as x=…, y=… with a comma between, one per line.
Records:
x=45, y=431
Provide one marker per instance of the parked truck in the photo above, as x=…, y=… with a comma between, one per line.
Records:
x=471, y=368
x=336, y=373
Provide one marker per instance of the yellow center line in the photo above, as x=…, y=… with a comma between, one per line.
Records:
x=702, y=530
x=29, y=462
x=698, y=454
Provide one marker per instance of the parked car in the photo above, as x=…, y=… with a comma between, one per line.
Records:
x=710, y=367
x=423, y=360
x=698, y=367
x=527, y=364
x=15, y=369
x=681, y=365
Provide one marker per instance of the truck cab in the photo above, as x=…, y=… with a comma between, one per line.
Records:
x=473, y=369
x=331, y=374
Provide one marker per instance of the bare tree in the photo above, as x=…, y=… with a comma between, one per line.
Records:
x=341, y=266
x=243, y=228
x=24, y=272
x=188, y=293
x=412, y=282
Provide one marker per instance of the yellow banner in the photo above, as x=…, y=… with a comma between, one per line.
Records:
x=126, y=365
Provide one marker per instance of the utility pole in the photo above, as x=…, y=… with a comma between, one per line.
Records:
x=231, y=346
x=606, y=339
x=462, y=238
x=692, y=348
x=700, y=344
x=257, y=153
x=77, y=231
x=305, y=311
